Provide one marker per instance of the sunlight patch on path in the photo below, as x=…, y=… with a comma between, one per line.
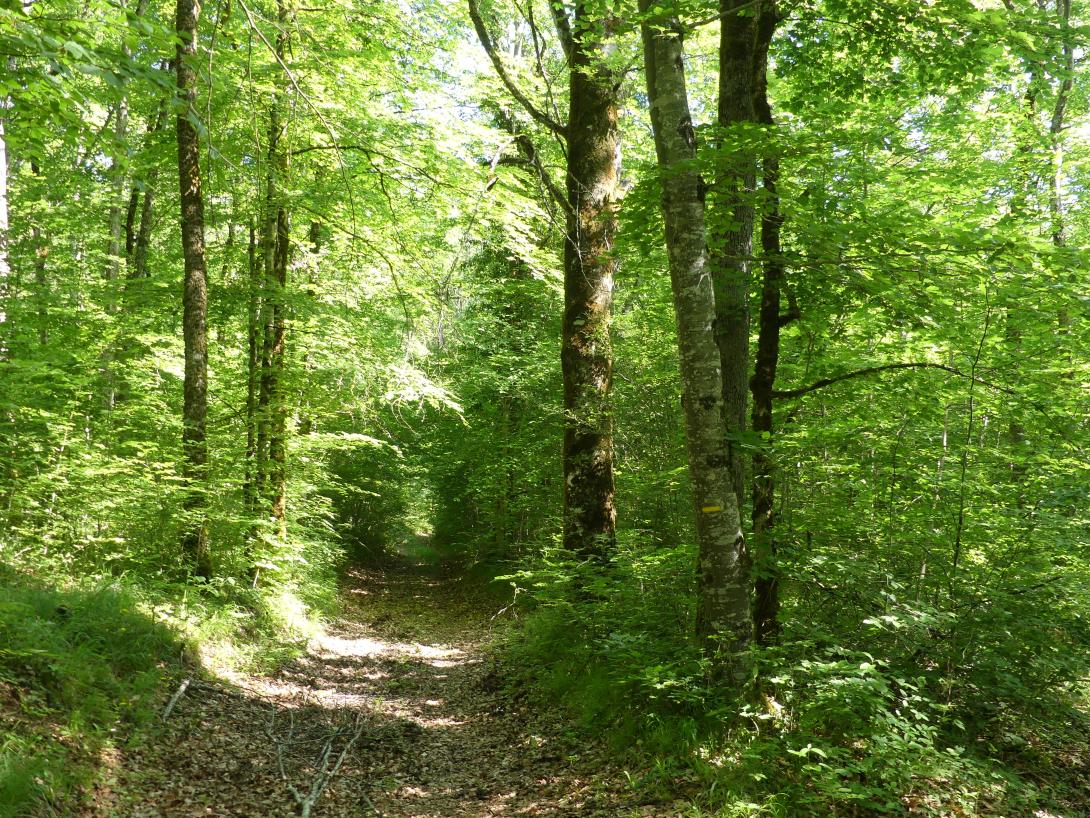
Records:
x=330, y=646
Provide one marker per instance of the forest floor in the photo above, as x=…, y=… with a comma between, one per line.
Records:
x=396, y=710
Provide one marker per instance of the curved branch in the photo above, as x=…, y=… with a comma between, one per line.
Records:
x=1055, y=426
x=871, y=370
x=793, y=312
x=529, y=154
x=505, y=78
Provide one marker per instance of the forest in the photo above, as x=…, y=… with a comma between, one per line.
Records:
x=571, y=408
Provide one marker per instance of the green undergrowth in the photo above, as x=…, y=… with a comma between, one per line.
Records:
x=85, y=666
x=872, y=720
x=78, y=666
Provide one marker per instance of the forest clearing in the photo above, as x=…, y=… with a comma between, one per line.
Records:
x=573, y=408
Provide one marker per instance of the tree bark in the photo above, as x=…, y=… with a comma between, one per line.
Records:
x=1056, y=129
x=194, y=297
x=593, y=143
x=252, y=489
x=277, y=338
x=724, y=619
x=734, y=215
x=117, y=185
x=40, y=241
x=1057, y=217
x=5, y=266
x=272, y=404
x=130, y=226
x=594, y=166
x=118, y=167
x=307, y=423
x=766, y=570
x=142, y=239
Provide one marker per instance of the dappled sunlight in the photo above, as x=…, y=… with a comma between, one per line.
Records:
x=329, y=646
x=424, y=728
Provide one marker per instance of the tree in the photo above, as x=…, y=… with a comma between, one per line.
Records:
x=272, y=407
x=5, y=264
x=724, y=620
x=593, y=148
x=732, y=215
x=194, y=293
x=766, y=574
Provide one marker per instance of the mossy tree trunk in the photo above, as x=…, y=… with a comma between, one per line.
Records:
x=594, y=166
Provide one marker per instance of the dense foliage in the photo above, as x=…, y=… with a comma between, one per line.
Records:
x=389, y=274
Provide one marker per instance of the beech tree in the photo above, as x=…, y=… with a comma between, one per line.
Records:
x=194, y=292
x=724, y=620
x=592, y=178
x=732, y=215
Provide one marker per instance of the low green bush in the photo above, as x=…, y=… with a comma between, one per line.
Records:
x=866, y=713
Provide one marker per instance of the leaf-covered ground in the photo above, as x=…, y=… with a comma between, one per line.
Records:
x=401, y=695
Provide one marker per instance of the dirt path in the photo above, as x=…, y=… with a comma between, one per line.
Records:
x=399, y=695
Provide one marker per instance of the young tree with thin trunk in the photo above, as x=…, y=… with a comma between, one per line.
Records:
x=118, y=166
x=194, y=295
x=141, y=231
x=763, y=382
x=5, y=265
x=272, y=404
x=252, y=485
x=40, y=243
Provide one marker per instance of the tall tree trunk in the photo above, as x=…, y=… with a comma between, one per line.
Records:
x=117, y=185
x=118, y=167
x=594, y=166
x=194, y=297
x=592, y=139
x=40, y=241
x=766, y=570
x=143, y=233
x=278, y=409
x=724, y=619
x=1056, y=128
x=733, y=218
x=306, y=424
x=130, y=226
x=272, y=428
x=252, y=489
x=5, y=266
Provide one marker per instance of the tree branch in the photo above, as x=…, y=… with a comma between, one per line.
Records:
x=529, y=153
x=563, y=27
x=793, y=312
x=490, y=49
x=369, y=152
x=871, y=370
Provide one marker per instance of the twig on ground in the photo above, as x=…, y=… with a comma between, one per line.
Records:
x=174, y=699
x=327, y=773
x=327, y=766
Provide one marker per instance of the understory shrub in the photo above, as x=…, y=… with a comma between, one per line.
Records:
x=865, y=713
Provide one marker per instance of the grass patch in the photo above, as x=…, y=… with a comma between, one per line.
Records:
x=77, y=669
x=83, y=669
